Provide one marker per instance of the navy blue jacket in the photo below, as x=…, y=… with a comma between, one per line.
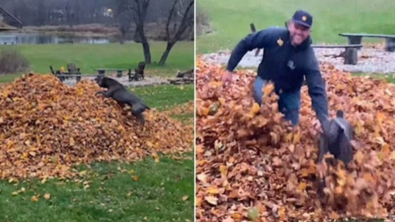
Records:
x=287, y=66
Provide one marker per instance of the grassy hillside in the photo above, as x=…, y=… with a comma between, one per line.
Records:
x=230, y=19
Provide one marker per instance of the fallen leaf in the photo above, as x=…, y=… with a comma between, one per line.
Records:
x=213, y=190
x=34, y=198
x=211, y=200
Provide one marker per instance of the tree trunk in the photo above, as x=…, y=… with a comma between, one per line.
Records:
x=146, y=48
x=147, y=52
x=166, y=53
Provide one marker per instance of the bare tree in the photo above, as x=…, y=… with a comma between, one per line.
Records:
x=124, y=17
x=177, y=12
x=69, y=14
x=140, y=8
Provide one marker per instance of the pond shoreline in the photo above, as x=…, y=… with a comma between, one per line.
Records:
x=91, y=30
x=153, y=31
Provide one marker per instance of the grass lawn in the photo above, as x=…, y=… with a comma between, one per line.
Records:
x=163, y=191
x=91, y=56
x=231, y=21
x=165, y=97
x=390, y=77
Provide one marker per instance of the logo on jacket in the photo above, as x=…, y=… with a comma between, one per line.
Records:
x=280, y=42
x=291, y=64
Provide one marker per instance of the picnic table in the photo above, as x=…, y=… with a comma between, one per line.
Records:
x=356, y=38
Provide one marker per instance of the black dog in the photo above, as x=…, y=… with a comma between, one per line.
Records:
x=120, y=94
x=340, y=146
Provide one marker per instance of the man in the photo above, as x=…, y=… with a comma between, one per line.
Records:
x=287, y=60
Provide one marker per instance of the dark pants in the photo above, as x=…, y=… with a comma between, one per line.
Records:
x=288, y=104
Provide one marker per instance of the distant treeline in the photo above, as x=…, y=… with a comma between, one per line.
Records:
x=77, y=12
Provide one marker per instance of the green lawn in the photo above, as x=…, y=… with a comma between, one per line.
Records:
x=231, y=20
x=165, y=96
x=91, y=56
x=164, y=191
x=389, y=77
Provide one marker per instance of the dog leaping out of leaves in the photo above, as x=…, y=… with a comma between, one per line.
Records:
x=119, y=93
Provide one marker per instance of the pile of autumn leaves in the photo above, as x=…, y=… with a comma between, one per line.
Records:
x=252, y=165
x=47, y=127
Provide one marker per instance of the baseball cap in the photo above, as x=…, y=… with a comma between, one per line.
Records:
x=303, y=18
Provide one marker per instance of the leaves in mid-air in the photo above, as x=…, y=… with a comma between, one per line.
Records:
x=252, y=165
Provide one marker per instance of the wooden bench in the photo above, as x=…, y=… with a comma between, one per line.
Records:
x=102, y=71
x=72, y=72
x=138, y=72
x=356, y=38
x=350, y=54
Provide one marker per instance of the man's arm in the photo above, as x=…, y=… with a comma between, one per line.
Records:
x=252, y=41
x=316, y=88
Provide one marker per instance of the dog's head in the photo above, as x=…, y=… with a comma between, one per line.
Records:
x=100, y=80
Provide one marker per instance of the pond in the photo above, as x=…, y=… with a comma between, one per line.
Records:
x=10, y=38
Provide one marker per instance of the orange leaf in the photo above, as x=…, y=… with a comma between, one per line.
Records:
x=213, y=190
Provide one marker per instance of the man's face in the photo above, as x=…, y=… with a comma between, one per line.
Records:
x=298, y=33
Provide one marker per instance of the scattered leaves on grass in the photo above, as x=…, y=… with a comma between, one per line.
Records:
x=186, y=108
x=47, y=127
x=251, y=163
x=184, y=198
x=34, y=198
x=47, y=196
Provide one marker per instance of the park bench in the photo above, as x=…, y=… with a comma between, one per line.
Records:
x=136, y=75
x=102, y=71
x=72, y=72
x=356, y=38
x=350, y=54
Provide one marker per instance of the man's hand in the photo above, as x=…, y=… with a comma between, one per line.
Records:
x=227, y=77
